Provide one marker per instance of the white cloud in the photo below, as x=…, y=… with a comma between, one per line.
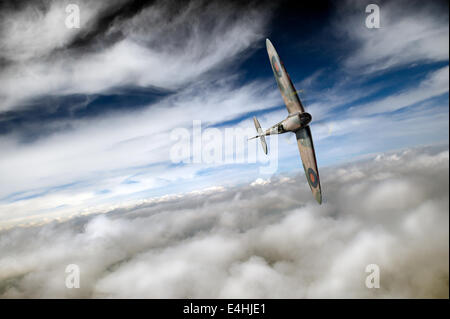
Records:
x=408, y=34
x=39, y=27
x=270, y=241
x=433, y=85
x=157, y=50
x=260, y=181
x=96, y=155
x=103, y=153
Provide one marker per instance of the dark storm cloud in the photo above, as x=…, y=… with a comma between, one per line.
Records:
x=265, y=240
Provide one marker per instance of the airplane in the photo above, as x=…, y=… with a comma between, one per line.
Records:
x=296, y=122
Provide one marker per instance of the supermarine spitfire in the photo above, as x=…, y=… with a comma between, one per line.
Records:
x=296, y=122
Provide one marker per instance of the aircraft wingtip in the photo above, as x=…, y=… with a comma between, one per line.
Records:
x=319, y=197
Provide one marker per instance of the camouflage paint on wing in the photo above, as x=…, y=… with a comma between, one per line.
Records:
x=306, y=148
x=284, y=82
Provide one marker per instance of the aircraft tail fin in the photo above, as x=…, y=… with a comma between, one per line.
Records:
x=260, y=135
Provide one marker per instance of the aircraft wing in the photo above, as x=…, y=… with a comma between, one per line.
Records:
x=306, y=148
x=284, y=82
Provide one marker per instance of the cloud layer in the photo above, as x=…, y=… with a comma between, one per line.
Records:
x=265, y=240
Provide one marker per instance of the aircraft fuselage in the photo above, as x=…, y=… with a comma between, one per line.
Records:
x=292, y=123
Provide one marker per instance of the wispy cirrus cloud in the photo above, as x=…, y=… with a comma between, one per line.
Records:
x=187, y=50
x=120, y=146
x=38, y=28
x=434, y=85
x=410, y=32
x=155, y=47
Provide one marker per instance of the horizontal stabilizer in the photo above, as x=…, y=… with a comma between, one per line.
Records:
x=260, y=135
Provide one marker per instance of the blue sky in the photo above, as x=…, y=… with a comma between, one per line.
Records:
x=86, y=114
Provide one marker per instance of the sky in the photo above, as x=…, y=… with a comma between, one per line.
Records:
x=95, y=123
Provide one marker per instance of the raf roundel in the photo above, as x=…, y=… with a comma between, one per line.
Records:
x=276, y=66
x=312, y=177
